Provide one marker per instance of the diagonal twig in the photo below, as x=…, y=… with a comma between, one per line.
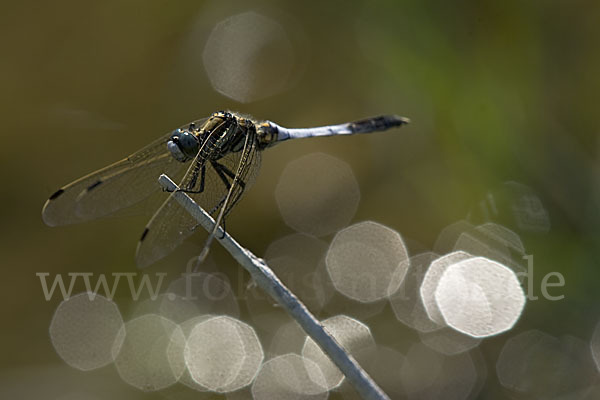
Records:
x=268, y=281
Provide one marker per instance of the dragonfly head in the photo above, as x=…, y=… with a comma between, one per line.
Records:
x=183, y=145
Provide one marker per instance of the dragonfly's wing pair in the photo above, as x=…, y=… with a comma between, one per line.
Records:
x=118, y=186
x=110, y=189
x=207, y=183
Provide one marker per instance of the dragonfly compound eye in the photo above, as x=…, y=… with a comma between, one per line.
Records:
x=183, y=145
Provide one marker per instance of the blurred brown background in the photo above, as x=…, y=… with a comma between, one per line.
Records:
x=497, y=91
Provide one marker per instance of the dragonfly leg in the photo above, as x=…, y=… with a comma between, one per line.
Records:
x=219, y=204
x=223, y=226
x=237, y=181
x=202, y=179
x=221, y=169
x=194, y=180
x=223, y=173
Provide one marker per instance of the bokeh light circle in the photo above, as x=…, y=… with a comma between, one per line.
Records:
x=363, y=259
x=289, y=377
x=223, y=354
x=151, y=354
x=317, y=194
x=479, y=297
x=405, y=298
x=431, y=280
x=84, y=330
x=248, y=56
x=352, y=334
x=534, y=364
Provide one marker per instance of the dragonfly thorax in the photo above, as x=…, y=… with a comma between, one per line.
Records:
x=183, y=145
x=225, y=133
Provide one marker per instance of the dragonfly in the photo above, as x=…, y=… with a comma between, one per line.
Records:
x=214, y=159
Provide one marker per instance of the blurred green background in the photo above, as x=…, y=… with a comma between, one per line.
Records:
x=496, y=91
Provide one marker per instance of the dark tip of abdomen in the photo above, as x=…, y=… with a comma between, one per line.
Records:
x=144, y=234
x=402, y=120
x=56, y=194
x=94, y=185
x=395, y=120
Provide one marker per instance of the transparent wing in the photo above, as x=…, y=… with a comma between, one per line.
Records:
x=171, y=224
x=114, y=187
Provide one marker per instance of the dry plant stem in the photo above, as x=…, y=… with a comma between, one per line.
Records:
x=268, y=281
